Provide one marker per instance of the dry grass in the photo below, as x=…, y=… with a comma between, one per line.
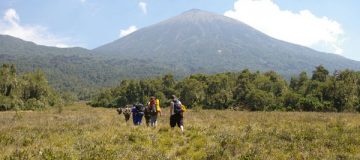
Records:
x=82, y=132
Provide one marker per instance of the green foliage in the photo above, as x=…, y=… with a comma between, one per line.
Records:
x=245, y=90
x=191, y=92
x=291, y=101
x=29, y=91
x=320, y=74
x=259, y=100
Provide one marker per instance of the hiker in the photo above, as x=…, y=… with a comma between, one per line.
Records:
x=137, y=112
x=126, y=111
x=153, y=110
x=176, y=113
x=147, y=115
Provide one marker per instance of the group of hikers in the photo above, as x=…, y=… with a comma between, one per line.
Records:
x=152, y=110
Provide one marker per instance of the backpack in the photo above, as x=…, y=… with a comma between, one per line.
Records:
x=140, y=108
x=183, y=108
x=152, y=106
x=158, y=109
x=177, y=107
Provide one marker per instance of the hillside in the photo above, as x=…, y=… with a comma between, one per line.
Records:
x=200, y=41
x=73, y=69
x=12, y=46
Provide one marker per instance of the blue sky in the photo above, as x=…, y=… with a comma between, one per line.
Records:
x=326, y=25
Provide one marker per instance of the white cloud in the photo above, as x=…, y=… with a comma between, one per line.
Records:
x=302, y=28
x=62, y=45
x=11, y=16
x=82, y=1
x=10, y=25
x=127, y=31
x=143, y=7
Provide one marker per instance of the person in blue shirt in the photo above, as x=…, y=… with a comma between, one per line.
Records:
x=137, y=113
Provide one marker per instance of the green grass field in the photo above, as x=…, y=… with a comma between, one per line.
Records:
x=82, y=132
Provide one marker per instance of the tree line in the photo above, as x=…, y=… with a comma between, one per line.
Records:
x=29, y=91
x=246, y=90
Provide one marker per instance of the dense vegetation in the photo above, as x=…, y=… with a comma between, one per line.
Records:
x=83, y=74
x=82, y=132
x=29, y=91
x=245, y=91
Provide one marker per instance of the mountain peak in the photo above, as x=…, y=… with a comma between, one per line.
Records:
x=197, y=12
x=197, y=15
x=194, y=10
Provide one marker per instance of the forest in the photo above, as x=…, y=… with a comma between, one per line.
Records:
x=29, y=91
x=245, y=90
x=252, y=91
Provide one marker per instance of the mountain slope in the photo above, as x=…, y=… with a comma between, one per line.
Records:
x=199, y=41
x=72, y=69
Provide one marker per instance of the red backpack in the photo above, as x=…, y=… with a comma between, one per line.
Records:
x=152, y=106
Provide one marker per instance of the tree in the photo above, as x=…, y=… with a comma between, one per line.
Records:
x=345, y=90
x=36, y=85
x=244, y=86
x=297, y=84
x=258, y=100
x=219, y=91
x=291, y=101
x=320, y=74
x=168, y=83
x=28, y=91
x=192, y=92
x=133, y=92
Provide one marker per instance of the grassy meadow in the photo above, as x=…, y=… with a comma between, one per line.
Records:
x=82, y=132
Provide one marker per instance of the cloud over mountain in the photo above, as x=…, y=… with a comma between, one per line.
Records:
x=301, y=27
x=125, y=32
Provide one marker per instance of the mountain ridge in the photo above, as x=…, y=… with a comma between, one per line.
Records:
x=16, y=46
